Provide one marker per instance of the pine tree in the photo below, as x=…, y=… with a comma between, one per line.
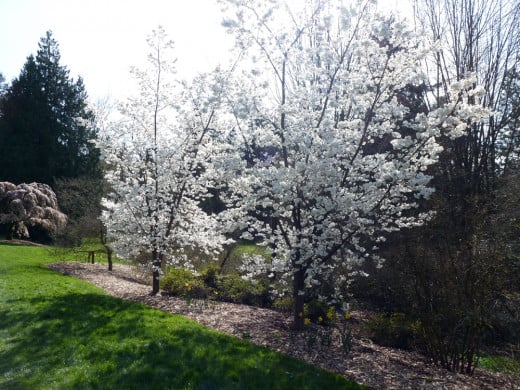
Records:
x=47, y=127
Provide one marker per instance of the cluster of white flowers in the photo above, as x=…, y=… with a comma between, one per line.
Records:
x=345, y=155
x=159, y=159
x=312, y=140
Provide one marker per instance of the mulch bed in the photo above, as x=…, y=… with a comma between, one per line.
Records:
x=367, y=363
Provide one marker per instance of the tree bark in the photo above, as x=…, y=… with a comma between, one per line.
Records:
x=109, y=258
x=156, y=273
x=299, y=299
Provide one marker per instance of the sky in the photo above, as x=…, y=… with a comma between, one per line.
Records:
x=101, y=39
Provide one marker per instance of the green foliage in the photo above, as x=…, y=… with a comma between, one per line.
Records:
x=46, y=128
x=505, y=364
x=60, y=332
x=184, y=283
x=234, y=288
x=235, y=256
x=394, y=330
x=81, y=252
x=230, y=287
x=210, y=275
x=285, y=304
x=318, y=338
x=80, y=199
x=317, y=311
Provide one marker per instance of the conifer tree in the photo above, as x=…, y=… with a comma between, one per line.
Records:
x=47, y=127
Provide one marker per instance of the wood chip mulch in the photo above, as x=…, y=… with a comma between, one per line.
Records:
x=367, y=363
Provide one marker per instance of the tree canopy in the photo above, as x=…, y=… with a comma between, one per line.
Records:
x=314, y=138
x=46, y=127
x=159, y=166
x=324, y=93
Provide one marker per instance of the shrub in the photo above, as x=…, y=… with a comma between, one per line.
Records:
x=393, y=330
x=233, y=288
x=285, y=304
x=234, y=257
x=209, y=275
x=182, y=282
x=318, y=312
x=503, y=364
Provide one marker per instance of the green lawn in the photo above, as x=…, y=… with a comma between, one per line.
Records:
x=58, y=332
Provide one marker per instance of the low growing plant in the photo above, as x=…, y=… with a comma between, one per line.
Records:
x=318, y=338
x=59, y=332
x=319, y=312
x=505, y=364
x=394, y=330
x=285, y=304
x=234, y=288
x=182, y=282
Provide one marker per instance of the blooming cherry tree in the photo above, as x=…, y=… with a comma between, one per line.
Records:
x=159, y=165
x=332, y=156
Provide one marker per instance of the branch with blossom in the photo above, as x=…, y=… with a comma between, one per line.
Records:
x=331, y=157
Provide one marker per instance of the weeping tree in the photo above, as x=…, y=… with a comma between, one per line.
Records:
x=27, y=206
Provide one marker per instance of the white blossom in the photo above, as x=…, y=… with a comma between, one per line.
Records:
x=329, y=158
x=159, y=159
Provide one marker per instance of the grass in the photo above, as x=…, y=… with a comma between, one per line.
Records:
x=239, y=251
x=58, y=332
x=503, y=364
x=80, y=253
x=249, y=249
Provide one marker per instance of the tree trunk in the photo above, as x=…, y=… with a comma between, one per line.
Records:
x=109, y=258
x=156, y=273
x=299, y=300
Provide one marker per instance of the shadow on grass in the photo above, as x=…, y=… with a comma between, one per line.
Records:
x=96, y=341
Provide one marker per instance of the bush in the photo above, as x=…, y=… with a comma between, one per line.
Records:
x=209, y=275
x=318, y=312
x=285, y=304
x=182, y=282
x=233, y=288
x=458, y=274
x=395, y=330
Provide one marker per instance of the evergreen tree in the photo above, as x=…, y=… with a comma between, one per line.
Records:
x=2, y=84
x=3, y=87
x=47, y=127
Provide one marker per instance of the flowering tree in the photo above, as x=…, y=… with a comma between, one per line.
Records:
x=28, y=205
x=159, y=160
x=333, y=157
